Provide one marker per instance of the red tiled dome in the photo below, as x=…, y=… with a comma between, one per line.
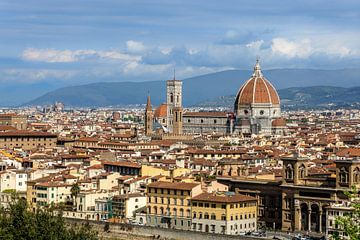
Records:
x=161, y=111
x=257, y=90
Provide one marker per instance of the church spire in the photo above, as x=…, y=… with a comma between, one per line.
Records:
x=148, y=104
x=257, y=69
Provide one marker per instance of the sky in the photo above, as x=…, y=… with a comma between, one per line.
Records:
x=78, y=41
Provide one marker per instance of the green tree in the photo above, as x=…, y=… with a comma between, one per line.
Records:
x=350, y=223
x=75, y=190
x=17, y=222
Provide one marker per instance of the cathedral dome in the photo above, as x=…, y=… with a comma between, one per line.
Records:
x=161, y=111
x=257, y=90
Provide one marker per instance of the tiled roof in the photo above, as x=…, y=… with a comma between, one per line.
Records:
x=213, y=197
x=172, y=185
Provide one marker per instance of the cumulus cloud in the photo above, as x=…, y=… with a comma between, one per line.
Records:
x=139, y=62
x=134, y=46
x=291, y=49
x=66, y=56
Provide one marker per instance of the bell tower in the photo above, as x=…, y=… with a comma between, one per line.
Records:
x=149, y=117
x=177, y=121
x=174, y=103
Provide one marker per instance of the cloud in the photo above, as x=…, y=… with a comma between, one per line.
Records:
x=36, y=75
x=134, y=46
x=291, y=49
x=256, y=45
x=67, y=56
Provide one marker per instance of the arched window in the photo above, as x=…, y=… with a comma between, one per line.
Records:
x=344, y=176
x=194, y=214
x=181, y=212
x=206, y=215
x=213, y=216
x=356, y=175
x=188, y=213
x=155, y=210
x=289, y=173
x=161, y=211
x=171, y=98
x=302, y=171
x=149, y=210
x=174, y=211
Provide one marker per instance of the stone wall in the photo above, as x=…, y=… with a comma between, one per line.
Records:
x=136, y=232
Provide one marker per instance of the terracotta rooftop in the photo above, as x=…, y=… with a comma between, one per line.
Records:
x=257, y=90
x=26, y=134
x=214, y=197
x=161, y=111
x=173, y=185
x=123, y=164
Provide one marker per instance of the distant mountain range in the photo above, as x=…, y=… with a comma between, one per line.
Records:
x=205, y=88
x=324, y=97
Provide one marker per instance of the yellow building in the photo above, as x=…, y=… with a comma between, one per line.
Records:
x=27, y=140
x=225, y=214
x=14, y=120
x=169, y=204
x=147, y=170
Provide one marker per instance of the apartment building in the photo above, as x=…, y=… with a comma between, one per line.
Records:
x=224, y=213
x=169, y=204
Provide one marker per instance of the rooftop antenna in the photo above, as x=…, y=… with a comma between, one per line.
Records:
x=174, y=74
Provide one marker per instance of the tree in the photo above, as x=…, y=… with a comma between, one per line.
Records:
x=350, y=223
x=17, y=222
x=75, y=190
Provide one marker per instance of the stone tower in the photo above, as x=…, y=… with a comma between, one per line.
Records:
x=149, y=117
x=174, y=100
x=177, y=120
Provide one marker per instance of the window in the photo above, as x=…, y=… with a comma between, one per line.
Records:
x=213, y=205
x=223, y=217
x=344, y=176
x=357, y=175
x=194, y=204
x=206, y=216
x=302, y=171
x=289, y=173
x=181, y=212
x=261, y=112
x=213, y=216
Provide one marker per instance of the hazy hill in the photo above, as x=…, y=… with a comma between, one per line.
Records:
x=195, y=90
x=303, y=97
